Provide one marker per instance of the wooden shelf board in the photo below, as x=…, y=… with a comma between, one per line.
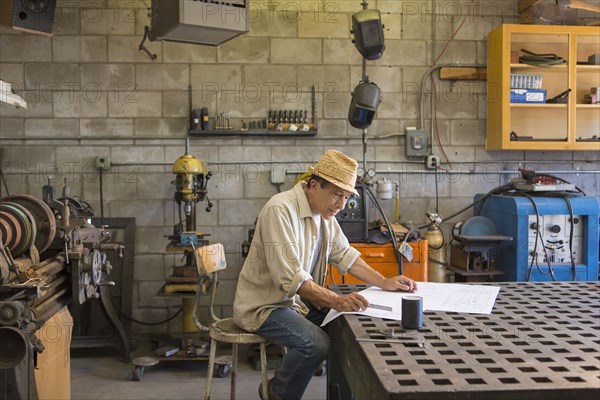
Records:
x=527, y=66
x=588, y=67
x=536, y=145
x=458, y=73
x=537, y=105
x=588, y=106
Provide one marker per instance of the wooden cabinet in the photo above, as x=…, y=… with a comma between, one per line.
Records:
x=381, y=257
x=572, y=125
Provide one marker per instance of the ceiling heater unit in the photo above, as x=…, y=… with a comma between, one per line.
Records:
x=199, y=22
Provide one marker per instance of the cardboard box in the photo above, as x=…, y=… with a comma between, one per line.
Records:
x=514, y=57
x=53, y=369
x=527, y=96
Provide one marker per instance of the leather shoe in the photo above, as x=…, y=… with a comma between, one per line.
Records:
x=269, y=391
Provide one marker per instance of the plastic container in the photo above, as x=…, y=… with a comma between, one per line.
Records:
x=525, y=81
x=527, y=96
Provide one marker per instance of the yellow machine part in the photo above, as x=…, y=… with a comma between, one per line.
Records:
x=188, y=315
x=437, y=254
x=188, y=164
x=303, y=177
x=187, y=291
x=171, y=288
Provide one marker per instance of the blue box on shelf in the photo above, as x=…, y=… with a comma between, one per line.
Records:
x=527, y=96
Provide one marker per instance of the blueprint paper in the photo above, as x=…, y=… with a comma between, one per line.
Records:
x=450, y=297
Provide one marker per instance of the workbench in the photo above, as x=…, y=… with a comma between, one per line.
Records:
x=541, y=341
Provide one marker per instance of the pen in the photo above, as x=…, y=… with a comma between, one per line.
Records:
x=380, y=307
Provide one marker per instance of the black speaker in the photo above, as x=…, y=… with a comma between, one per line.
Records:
x=34, y=16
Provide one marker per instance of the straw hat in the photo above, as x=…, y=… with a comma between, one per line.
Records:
x=337, y=168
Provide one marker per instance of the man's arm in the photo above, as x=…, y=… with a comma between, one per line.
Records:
x=364, y=272
x=319, y=295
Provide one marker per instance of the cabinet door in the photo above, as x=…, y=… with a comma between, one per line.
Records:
x=531, y=84
x=587, y=118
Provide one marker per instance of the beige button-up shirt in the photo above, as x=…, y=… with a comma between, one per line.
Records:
x=280, y=256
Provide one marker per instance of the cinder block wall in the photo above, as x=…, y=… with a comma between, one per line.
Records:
x=92, y=93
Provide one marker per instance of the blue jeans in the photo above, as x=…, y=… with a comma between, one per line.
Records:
x=307, y=345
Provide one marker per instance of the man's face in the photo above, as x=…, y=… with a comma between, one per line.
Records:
x=328, y=201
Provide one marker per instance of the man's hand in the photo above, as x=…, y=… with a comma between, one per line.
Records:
x=364, y=272
x=316, y=294
x=399, y=283
x=350, y=302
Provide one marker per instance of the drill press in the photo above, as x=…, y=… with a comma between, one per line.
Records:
x=191, y=182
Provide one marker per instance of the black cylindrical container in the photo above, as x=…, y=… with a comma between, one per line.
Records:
x=412, y=312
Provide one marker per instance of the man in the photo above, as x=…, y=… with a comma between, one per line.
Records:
x=280, y=293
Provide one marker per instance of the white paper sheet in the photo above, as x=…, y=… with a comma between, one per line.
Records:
x=450, y=297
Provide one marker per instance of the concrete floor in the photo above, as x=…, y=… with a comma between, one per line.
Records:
x=109, y=378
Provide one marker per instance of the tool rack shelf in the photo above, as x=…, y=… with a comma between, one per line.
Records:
x=573, y=125
x=250, y=133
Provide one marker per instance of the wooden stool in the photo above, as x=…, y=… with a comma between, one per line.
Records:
x=226, y=331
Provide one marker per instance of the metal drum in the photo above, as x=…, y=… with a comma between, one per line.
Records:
x=43, y=216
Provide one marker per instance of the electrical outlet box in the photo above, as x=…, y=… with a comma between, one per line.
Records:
x=103, y=163
x=277, y=174
x=432, y=161
x=417, y=143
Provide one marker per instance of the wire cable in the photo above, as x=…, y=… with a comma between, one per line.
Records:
x=433, y=91
x=437, y=193
x=456, y=31
x=101, y=197
x=541, y=60
x=548, y=261
x=570, y=206
x=143, y=322
x=534, y=254
x=195, y=318
x=539, y=233
x=434, y=126
x=130, y=318
x=482, y=199
x=390, y=229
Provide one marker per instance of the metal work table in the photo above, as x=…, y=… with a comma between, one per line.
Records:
x=542, y=341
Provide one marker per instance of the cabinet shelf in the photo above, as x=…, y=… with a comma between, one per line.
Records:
x=537, y=105
x=588, y=68
x=517, y=66
x=569, y=126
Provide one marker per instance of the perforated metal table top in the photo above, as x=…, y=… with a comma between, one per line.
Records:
x=542, y=341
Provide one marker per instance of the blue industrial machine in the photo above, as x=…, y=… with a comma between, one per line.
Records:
x=557, y=238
